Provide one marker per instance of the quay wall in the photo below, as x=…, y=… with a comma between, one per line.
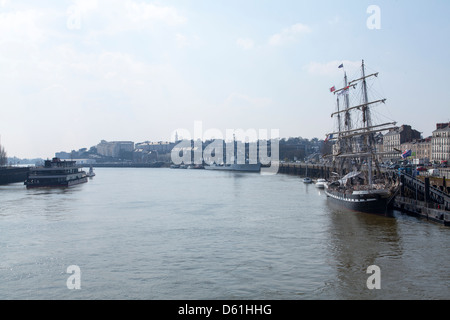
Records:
x=441, y=183
x=314, y=171
x=421, y=209
x=445, y=172
x=128, y=165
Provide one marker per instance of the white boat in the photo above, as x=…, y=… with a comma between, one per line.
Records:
x=321, y=183
x=307, y=179
x=91, y=172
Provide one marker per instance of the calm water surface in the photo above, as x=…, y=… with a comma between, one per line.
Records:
x=197, y=234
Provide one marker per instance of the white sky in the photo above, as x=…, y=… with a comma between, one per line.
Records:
x=75, y=72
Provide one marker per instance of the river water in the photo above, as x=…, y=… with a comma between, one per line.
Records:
x=199, y=234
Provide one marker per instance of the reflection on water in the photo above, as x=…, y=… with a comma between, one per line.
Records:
x=52, y=203
x=357, y=241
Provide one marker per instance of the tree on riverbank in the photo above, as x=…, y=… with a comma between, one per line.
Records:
x=3, y=157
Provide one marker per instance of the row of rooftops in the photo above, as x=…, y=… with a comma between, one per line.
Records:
x=439, y=127
x=442, y=127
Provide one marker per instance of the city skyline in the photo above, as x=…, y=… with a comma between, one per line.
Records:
x=78, y=72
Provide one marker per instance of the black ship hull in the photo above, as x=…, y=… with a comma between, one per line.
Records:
x=52, y=184
x=367, y=203
x=13, y=175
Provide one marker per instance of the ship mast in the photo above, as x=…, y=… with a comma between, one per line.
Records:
x=347, y=104
x=347, y=116
x=367, y=123
x=339, y=116
x=345, y=144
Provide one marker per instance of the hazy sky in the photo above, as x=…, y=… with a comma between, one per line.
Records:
x=75, y=72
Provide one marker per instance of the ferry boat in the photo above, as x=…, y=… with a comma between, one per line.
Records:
x=362, y=186
x=56, y=173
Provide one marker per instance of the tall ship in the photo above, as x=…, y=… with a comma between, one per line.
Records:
x=56, y=173
x=359, y=184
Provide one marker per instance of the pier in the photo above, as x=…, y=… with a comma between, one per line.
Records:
x=422, y=210
x=315, y=171
x=128, y=165
x=424, y=197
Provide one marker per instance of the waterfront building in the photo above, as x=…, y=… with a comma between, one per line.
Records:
x=420, y=149
x=378, y=147
x=63, y=155
x=424, y=150
x=440, y=143
x=393, y=140
x=161, y=147
x=144, y=156
x=114, y=148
